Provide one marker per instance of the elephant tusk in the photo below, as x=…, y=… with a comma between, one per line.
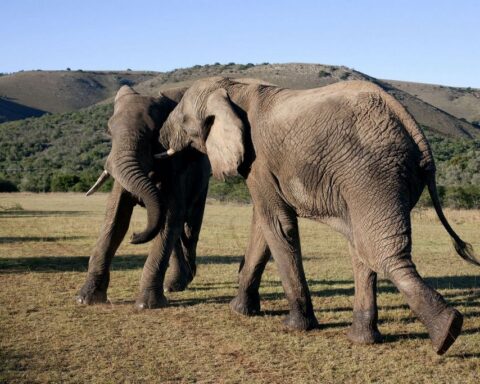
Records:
x=165, y=154
x=101, y=180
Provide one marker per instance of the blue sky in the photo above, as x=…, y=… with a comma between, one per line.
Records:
x=425, y=41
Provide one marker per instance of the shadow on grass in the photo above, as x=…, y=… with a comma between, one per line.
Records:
x=53, y=264
x=467, y=355
x=391, y=338
x=80, y=263
x=31, y=213
x=217, y=259
x=25, y=239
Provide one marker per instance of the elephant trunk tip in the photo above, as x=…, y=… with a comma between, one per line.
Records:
x=142, y=237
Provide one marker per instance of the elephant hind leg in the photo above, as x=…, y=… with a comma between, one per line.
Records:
x=388, y=245
x=364, y=329
x=443, y=322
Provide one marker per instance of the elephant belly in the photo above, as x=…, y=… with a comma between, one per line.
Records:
x=313, y=201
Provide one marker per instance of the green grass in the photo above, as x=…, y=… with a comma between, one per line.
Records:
x=45, y=241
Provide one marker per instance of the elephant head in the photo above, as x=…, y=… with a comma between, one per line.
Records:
x=208, y=120
x=134, y=128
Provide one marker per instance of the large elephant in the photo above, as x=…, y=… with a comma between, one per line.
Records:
x=173, y=190
x=348, y=155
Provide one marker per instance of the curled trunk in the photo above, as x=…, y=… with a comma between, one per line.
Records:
x=128, y=172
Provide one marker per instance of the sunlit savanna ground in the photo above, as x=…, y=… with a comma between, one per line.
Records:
x=45, y=241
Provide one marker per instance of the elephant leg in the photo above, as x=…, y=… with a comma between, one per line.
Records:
x=364, y=328
x=151, y=284
x=280, y=228
x=443, y=322
x=247, y=301
x=117, y=219
x=389, y=247
x=183, y=265
x=180, y=273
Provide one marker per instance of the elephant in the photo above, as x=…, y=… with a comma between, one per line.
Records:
x=348, y=155
x=173, y=190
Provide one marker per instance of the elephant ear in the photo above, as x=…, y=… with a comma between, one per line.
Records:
x=224, y=143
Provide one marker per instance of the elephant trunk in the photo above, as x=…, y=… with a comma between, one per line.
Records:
x=129, y=173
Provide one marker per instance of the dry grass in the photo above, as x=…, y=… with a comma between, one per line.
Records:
x=46, y=337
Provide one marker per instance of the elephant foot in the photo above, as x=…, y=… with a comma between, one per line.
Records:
x=151, y=300
x=177, y=283
x=364, y=335
x=364, y=328
x=444, y=329
x=247, y=305
x=97, y=297
x=299, y=322
x=94, y=291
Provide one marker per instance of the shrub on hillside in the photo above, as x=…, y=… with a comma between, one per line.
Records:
x=233, y=189
x=7, y=186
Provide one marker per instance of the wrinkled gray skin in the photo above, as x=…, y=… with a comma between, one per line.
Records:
x=348, y=155
x=173, y=190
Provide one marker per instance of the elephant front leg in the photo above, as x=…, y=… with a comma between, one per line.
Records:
x=183, y=265
x=151, y=285
x=364, y=329
x=180, y=271
x=117, y=219
x=247, y=301
x=280, y=228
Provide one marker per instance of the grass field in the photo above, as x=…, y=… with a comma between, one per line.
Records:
x=45, y=241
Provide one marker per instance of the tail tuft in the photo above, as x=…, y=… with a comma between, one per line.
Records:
x=466, y=252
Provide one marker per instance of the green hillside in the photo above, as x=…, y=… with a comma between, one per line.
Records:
x=55, y=152
x=65, y=152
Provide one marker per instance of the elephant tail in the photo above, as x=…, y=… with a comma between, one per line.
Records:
x=465, y=250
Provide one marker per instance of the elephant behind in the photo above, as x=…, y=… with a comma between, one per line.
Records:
x=173, y=191
x=348, y=155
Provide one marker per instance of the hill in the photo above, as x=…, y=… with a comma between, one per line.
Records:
x=445, y=110
x=463, y=103
x=33, y=93
x=300, y=76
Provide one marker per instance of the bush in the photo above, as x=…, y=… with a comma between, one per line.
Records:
x=233, y=189
x=7, y=186
x=426, y=201
x=242, y=67
x=466, y=197
x=64, y=182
